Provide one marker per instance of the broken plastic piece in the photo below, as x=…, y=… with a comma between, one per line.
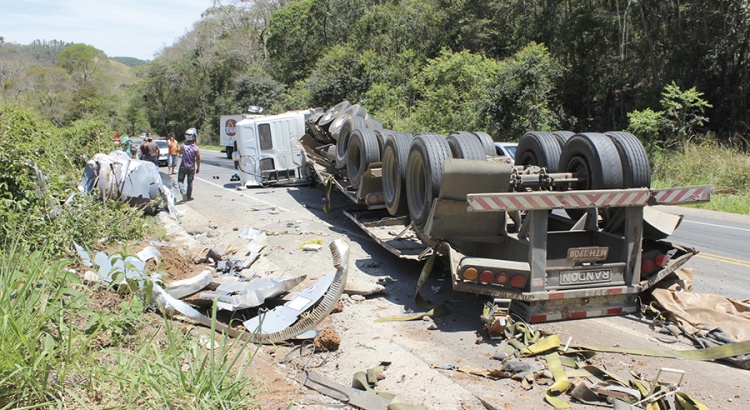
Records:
x=181, y=288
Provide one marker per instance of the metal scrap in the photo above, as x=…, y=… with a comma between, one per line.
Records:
x=122, y=178
x=234, y=295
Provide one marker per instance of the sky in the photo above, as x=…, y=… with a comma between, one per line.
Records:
x=120, y=28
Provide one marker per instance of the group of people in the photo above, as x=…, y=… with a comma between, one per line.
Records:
x=189, y=165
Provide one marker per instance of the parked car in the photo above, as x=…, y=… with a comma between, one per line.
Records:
x=163, y=152
x=507, y=149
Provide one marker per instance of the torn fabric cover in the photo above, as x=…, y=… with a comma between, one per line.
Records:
x=122, y=178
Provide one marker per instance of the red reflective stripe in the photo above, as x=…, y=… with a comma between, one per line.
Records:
x=614, y=291
x=614, y=311
x=558, y=295
x=539, y=318
x=578, y=315
x=550, y=203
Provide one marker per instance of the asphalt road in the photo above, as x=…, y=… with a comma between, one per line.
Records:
x=420, y=353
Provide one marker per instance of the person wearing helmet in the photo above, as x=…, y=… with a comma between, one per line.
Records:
x=190, y=164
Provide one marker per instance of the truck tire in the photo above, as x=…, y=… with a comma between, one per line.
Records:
x=373, y=124
x=636, y=170
x=348, y=125
x=540, y=149
x=395, y=157
x=362, y=150
x=562, y=137
x=466, y=145
x=381, y=134
x=330, y=115
x=595, y=157
x=487, y=143
x=424, y=174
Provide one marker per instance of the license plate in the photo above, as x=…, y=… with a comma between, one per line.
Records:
x=585, y=277
x=588, y=254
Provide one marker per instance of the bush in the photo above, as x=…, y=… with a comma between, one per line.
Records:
x=41, y=169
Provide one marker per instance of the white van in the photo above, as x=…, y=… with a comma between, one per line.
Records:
x=269, y=150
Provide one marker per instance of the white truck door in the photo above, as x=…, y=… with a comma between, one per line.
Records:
x=249, y=156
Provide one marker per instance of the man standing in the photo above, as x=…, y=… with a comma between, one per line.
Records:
x=190, y=164
x=151, y=151
x=174, y=149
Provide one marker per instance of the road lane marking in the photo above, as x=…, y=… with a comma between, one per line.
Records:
x=717, y=225
x=725, y=259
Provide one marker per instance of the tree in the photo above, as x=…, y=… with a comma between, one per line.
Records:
x=521, y=94
x=81, y=61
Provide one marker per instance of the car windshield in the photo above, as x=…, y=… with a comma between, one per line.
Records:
x=511, y=150
x=162, y=144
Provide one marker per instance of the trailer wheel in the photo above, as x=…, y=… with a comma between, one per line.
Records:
x=395, y=158
x=349, y=124
x=381, y=134
x=327, y=118
x=636, y=171
x=373, y=124
x=540, y=149
x=487, y=143
x=424, y=174
x=466, y=145
x=338, y=122
x=562, y=137
x=362, y=151
x=594, y=157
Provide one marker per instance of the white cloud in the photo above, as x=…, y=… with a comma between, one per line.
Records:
x=132, y=28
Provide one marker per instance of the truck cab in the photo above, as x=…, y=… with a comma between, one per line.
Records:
x=269, y=152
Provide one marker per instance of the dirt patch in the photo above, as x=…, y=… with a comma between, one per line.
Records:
x=328, y=340
x=177, y=265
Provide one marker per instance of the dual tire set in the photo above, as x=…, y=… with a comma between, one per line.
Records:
x=611, y=160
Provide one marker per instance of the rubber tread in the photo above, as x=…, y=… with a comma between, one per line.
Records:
x=563, y=137
x=380, y=134
x=601, y=157
x=636, y=170
x=540, y=149
x=424, y=174
x=350, y=123
x=466, y=146
x=362, y=151
x=395, y=157
x=487, y=142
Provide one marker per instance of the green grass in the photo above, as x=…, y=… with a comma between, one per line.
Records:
x=59, y=349
x=728, y=170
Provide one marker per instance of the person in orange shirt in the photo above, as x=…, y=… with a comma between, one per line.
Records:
x=174, y=150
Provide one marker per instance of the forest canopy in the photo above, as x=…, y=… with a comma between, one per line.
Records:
x=438, y=65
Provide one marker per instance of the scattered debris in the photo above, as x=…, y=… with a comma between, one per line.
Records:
x=358, y=298
x=122, y=178
x=234, y=295
x=327, y=340
x=363, y=288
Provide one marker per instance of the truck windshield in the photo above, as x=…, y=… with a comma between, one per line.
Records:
x=264, y=132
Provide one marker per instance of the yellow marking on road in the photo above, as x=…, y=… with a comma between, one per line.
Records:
x=725, y=259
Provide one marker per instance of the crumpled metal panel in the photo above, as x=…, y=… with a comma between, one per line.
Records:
x=282, y=317
x=235, y=295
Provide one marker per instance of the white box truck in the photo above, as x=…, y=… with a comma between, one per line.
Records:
x=269, y=150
